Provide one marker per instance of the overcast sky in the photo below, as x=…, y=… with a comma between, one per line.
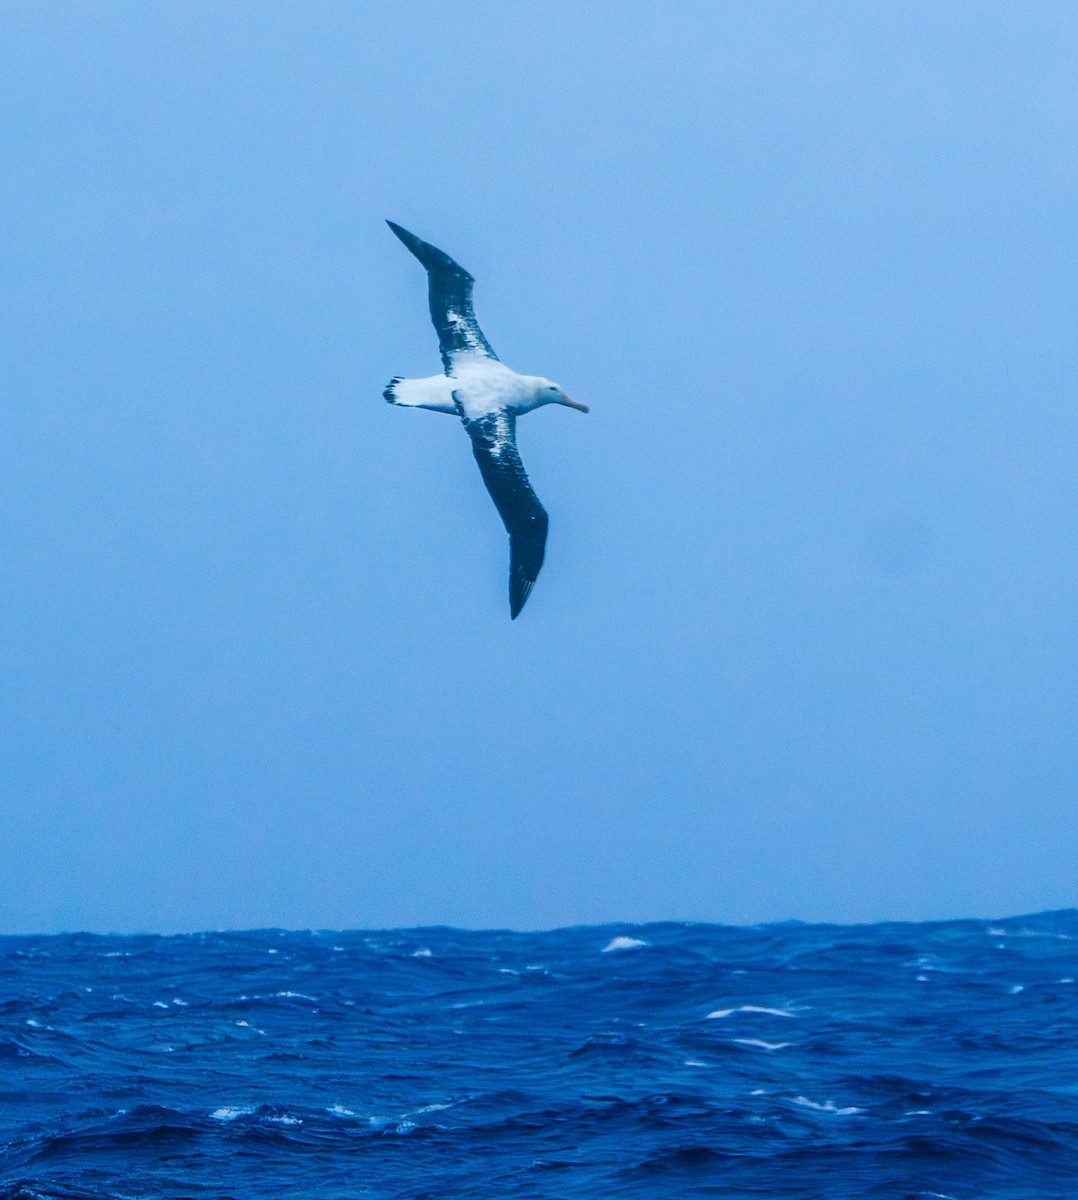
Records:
x=804, y=645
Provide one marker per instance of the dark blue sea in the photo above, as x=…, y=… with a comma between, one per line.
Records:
x=669, y=1060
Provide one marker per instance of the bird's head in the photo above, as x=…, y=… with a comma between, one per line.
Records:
x=549, y=393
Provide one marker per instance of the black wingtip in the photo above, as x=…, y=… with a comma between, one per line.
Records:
x=409, y=239
x=518, y=596
x=430, y=256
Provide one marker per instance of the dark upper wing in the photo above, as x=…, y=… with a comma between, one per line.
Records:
x=494, y=445
x=450, y=288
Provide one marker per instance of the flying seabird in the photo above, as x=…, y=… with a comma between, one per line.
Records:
x=488, y=397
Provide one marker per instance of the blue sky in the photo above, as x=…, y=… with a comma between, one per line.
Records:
x=804, y=645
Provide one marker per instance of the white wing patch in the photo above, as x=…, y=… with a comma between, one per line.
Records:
x=465, y=330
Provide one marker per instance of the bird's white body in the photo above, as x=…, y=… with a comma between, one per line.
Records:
x=481, y=386
x=484, y=386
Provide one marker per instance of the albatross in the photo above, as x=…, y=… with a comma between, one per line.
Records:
x=488, y=397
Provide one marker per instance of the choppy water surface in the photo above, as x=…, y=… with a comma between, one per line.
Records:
x=664, y=1060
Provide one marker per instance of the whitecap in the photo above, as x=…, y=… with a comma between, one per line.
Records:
x=761, y=1044
x=422, y=952
x=694, y=1062
x=284, y=1121
x=338, y=1110
x=749, y=1008
x=1068, y=979
x=829, y=1107
x=933, y=962
x=160, y=1004
x=296, y=996
x=230, y=1112
x=34, y=1024
x=1013, y=991
x=623, y=943
x=180, y=1003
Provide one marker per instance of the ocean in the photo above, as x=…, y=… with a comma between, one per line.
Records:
x=668, y=1060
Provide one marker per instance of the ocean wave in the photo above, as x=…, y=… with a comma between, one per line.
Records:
x=795, y=1061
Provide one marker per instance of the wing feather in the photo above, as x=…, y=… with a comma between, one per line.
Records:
x=450, y=296
x=495, y=448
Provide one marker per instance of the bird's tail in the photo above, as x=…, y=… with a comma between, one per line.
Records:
x=435, y=393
